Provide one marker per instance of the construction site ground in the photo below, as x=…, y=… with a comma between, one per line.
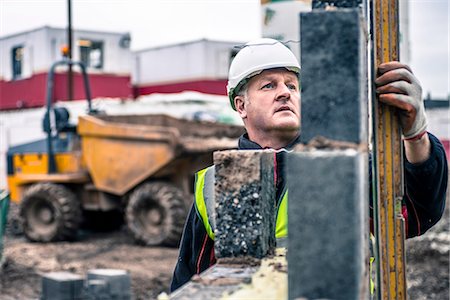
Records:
x=151, y=268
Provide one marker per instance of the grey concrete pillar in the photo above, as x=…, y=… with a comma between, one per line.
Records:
x=245, y=203
x=333, y=76
x=328, y=190
x=327, y=224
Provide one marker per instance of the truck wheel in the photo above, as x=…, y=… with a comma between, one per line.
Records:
x=50, y=212
x=155, y=214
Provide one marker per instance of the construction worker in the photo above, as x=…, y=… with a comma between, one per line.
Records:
x=263, y=87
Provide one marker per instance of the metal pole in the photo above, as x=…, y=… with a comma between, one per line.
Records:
x=69, y=43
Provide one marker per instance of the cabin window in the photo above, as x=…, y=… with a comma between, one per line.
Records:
x=91, y=53
x=17, y=62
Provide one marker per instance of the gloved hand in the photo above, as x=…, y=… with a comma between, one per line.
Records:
x=397, y=86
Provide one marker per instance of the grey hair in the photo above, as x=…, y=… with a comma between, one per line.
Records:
x=243, y=90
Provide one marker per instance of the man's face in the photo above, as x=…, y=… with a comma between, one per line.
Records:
x=272, y=105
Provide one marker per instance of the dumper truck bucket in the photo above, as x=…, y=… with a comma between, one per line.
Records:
x=120, y=156
x=122, y=151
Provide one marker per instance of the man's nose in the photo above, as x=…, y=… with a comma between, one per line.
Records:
x=283, y=92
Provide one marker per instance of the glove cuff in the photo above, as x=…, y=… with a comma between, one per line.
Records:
x=419, y=126
x=415, y=138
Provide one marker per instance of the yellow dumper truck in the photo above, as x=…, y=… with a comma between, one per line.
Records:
x=141, y=165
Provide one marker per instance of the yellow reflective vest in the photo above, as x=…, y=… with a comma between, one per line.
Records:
x=204, y=202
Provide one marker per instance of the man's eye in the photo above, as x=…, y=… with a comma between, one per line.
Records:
x=268, y=86
x=292, y=87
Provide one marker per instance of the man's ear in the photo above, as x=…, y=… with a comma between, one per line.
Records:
x=239, y=103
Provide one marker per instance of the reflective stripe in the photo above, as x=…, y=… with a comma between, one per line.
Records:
x=208, y=196
x=282, y=242
x=372, y=284
x=200, y=203
x=282, y=217
x=372, y=271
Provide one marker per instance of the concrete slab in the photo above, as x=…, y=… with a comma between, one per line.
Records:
x=327, y=224
x=62, y=286
x=110, y=283
x=245, y=203
x=333, y=76
x=231, y=280
x=318, y=4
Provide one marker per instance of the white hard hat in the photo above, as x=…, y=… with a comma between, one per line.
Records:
x=255, y=57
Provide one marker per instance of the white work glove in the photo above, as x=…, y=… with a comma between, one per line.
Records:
x=398, y=87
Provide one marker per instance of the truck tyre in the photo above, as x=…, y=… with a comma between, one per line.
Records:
x=155, y=214
x=50, y=212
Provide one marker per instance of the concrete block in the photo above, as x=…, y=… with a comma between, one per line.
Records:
x=333, y=76
x=62, y=286
x=111, y=283
x=327, y=224
x=318, y=4
x=96, y=289
x=245, y=203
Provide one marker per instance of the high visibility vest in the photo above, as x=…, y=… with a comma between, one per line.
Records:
x=204, y=203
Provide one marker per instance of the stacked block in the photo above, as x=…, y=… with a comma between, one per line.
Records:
x=245, y=203
x=62, y=286
x=326, y=257
x=334, y=76
x=108, y=284
x=328, y=190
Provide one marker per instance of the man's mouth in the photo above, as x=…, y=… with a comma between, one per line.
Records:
x=283, y=108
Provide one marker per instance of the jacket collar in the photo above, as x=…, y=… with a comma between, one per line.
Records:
x=246, y=144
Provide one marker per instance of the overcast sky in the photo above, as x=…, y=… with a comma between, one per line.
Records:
x=158, y=22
